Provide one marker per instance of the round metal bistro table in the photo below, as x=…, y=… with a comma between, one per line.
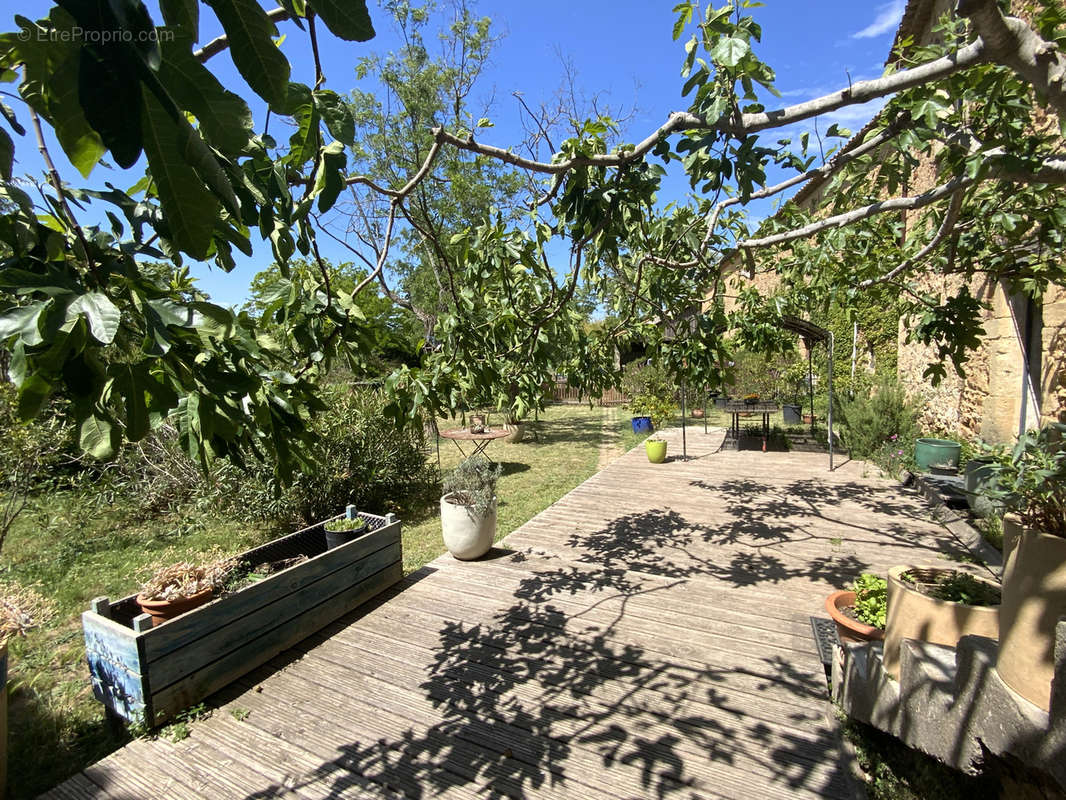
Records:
x=480, y=441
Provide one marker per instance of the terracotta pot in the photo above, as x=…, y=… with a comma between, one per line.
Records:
x=1034, y=597
x=913, y=615
x=848, y=629
x=163, y=610
x=515, y=432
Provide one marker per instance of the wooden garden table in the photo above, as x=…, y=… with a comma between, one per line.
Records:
x=736, y=408
x=479, y=440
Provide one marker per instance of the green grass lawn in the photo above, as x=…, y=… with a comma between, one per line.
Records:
x=560, y=450
x=74, y=547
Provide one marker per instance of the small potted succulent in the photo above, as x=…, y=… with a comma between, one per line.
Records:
x=343, y=530
x=181, y=587
x=468, y=508
x=1030, y=483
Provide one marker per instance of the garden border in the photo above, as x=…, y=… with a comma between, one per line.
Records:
x=147, y=675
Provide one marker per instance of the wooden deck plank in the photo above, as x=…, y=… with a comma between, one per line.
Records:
x=645, y=636
x=709, y=727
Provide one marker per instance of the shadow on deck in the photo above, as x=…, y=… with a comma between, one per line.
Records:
x=646, y=636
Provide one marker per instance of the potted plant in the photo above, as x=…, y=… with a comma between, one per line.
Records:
x=181, y=587
x=937, y=605
x=650, y=390
x=656, y=450
x=980, y=475
x=468, y=508
x=343, y=529
x=1030, y=482
x=751, y=399
x=859, y=612
x=479, y=423
x=660, y=410
x=790, y=412
x=937, y=455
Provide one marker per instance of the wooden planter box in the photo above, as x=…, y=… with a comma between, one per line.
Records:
x=147, y=675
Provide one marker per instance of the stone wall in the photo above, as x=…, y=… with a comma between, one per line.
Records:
x=987, y=402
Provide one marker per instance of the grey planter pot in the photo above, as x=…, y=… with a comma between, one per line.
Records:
x=791, y=414
x=979, y=473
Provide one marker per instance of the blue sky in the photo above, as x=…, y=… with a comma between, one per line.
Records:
x=621, y=51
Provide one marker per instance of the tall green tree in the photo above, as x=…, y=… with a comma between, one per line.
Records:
x=980, y=108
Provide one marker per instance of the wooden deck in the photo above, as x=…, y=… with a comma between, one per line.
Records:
x=646, y=636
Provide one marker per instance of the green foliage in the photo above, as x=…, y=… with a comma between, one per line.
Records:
x=956, y=587
x=360, y=457
x=1030, y=479
x=763, y=375
x=473, y=483
x=881, y=423
x=345, y=524
x=289, y=305
x=871, y=599
x=652, y=392
x=82, y=319
x=32, y=456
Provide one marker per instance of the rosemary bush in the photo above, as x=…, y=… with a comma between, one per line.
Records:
x=473, y=483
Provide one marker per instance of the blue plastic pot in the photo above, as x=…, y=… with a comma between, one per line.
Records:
x=642, y=425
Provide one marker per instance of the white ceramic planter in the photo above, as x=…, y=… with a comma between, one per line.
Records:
x=466, y=535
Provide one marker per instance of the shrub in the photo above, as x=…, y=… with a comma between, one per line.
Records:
x=32, y=455
x=652, y=392
x=1030, y=480
x=883, y=417
x=363, y=457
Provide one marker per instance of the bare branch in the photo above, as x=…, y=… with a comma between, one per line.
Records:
x=217, y=45
x=858, y=93
x=865, y=212
x=1011, y=42
x=948, y=224
x=384, y=254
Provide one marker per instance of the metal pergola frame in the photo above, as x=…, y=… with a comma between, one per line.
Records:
x=810, y=333
x=814, y=334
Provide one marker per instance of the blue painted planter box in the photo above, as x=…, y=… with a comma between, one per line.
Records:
x=147, y=675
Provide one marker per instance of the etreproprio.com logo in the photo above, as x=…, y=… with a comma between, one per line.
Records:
x=80, y=35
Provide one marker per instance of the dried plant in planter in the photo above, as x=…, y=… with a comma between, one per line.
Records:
x=21, y=610
x=185, y=579
x=473, y=483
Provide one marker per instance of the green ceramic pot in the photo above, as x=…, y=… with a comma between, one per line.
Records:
x=941, y=454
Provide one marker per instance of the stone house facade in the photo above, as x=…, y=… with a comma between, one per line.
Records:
x=1016, y=379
